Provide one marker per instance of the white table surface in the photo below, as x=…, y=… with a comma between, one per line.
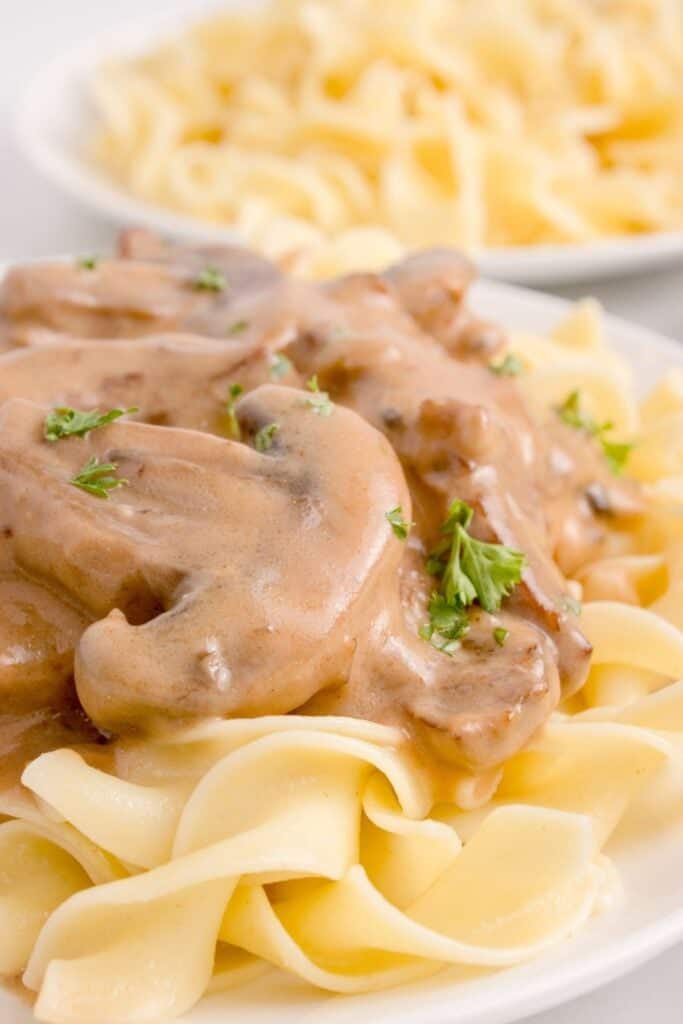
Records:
x=36, y=220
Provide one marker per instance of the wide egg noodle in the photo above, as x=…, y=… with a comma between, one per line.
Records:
x=132, y=822
x=543, y=893
x=43, y=863
x=37, y=876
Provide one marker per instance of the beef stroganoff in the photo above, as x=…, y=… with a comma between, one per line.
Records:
x=340, y=629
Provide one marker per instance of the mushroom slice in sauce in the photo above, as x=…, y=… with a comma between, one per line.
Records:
x=226, y=580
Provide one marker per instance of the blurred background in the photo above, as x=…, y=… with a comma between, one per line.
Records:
x=36, y=220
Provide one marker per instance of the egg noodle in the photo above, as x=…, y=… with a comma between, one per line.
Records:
x=322, y=845
x=336, y=133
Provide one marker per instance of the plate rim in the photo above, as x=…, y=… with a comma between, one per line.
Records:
x=545, y=263
x=566, y=981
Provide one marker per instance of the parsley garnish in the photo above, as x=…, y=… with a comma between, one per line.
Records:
x=210, y=279
x=398, y=522
x=280, y=366
x=616, y=453
x=238, y=326
x=320, y=400
x=88, y=262
x=234, y=392
x=474, y=569
x=94, y=478
x=447, y=624
x=500, y=635
x=65, y=422
x=470, y=570
x=570, y=413
x=263, y=439
x=510, y=366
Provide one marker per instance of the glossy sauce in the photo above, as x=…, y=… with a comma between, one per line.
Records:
x=227, y=581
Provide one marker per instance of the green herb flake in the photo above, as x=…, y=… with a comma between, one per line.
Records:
x=263, y=439
x=398, y=522
x=88, y=262
x=616, y=453
x=469, y=570
x=97, y=478
x=510, y=366
x=319, y=401
x=280, y=366
x=474, y=569
x=238, y=327
x=447, y=625
x=65, y=422
x=234, y=392
x=210, y=279
x=571, y=414
x=500, y=635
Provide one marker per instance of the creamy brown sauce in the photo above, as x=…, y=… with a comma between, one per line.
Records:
x=227, y=581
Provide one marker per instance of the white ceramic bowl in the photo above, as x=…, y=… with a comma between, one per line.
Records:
x=56, y=116
x=649, y=920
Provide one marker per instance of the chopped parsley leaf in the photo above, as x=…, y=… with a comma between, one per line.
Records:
x=398, y=522
x=616, y=453
x=210, y=279
x=65, y=422
x=571, y=414
x=96, y=478
x=446, y=625
x=263, y=439
x=474, y=569
x=510, y=366
x=238, y=327
x=469, y=570
x=319, y=401
x=234, y=392
x=88, y=262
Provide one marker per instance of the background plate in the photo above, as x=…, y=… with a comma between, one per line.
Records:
x=55, y=119
x=649, y=920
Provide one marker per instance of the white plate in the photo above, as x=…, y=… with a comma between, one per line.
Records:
x=649, y=921
x=56, y=117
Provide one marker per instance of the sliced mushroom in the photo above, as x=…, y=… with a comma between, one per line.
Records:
x=227, y=581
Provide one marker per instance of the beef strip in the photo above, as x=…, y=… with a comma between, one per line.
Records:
x=431, y=286
x=128, y=298
x=173, y=380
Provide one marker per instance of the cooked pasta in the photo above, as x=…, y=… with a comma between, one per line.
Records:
x=336, y=134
